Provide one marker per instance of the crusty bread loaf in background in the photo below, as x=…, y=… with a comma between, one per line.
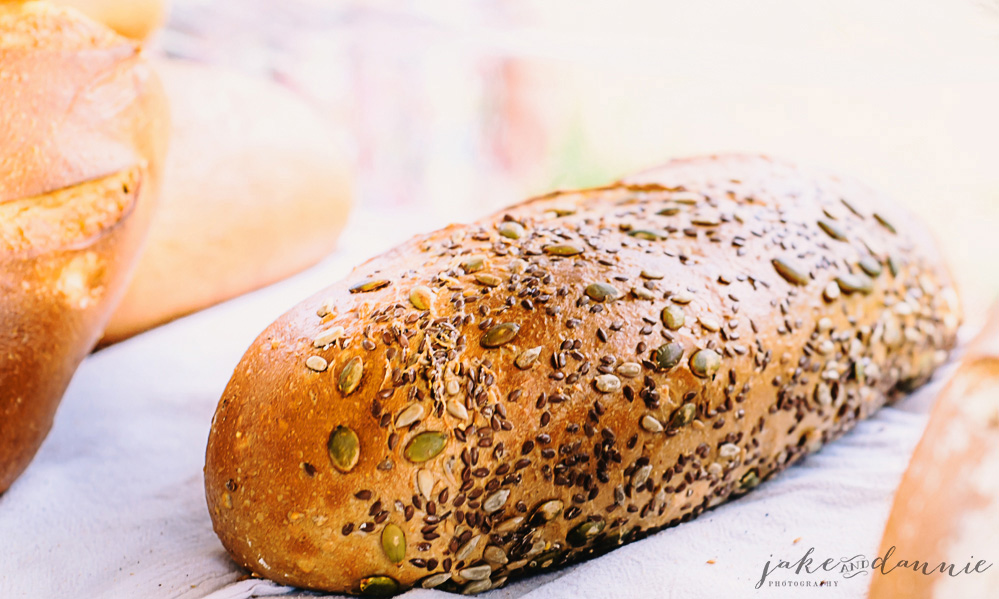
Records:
x=84, y=125
x=570, y=374
x=136, y=19
x=256, y=189
x=947, y=508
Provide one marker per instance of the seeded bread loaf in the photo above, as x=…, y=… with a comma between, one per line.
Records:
x=83, y=122
x=946, y=510
x=570, y=374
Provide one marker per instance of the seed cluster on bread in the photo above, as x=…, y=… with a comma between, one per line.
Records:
x=568, y=375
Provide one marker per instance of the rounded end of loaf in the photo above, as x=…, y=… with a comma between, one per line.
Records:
x=85, y=140
x=946, y=509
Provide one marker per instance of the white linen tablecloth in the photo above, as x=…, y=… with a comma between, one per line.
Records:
x=113, y=505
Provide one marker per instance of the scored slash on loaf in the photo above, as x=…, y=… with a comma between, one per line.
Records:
x=571, y=374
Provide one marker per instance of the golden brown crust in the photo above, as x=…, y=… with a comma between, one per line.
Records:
x=81, y=158
x=610, y=431
x=946, y=509
x=136, y=19
x=246, y=200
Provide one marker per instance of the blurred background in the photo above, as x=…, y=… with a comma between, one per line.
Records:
x=455, y=108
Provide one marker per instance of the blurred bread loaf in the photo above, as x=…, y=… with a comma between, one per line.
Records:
x=947, y=507
x=84, y=124
x=255, y=190
x=136, y=19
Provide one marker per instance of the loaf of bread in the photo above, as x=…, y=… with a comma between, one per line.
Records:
x=946, y=510
x=136, y=19
x=84, y=131
x=255, y=189
x=570, y=374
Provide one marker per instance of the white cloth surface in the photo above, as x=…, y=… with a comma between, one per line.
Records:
x=113, y=505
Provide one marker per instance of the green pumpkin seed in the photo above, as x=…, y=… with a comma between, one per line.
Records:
x=672, y=317
x=853, y=283
x=870, y=265
x=546, y=512
x=369, y=285
x=564, y=249
x=649, y=234
x=511, y=229
x=350, y=376
x=669, y=211
x=500, y=334
x=705, y=363
x=421, y=297
x=668, y=355
x=394, y=543
x=683, y=416
x=344, y=448
x=379, y=586
x=584, y=533
x=832, y=229
x=484, y=278
x=563, y=210
x=749, y=479
x=884, y=223
x=425, y=446
x=792, y=273
x=600, y=292
x=473, y=263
